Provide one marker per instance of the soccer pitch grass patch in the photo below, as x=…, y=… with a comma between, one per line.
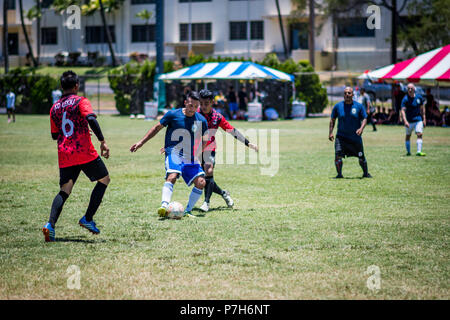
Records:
x=297, y=235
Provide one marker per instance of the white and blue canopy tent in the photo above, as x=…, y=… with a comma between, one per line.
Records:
x=227, y=71
x=235, y=70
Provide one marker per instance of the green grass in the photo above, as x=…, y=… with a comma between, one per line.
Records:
x=297, y=235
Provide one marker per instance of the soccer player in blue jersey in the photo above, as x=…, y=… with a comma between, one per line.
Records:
x=185, y=129
x=413, y=114
x=352, y=120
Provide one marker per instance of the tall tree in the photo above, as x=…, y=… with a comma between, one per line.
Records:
x=5, y=35
x=146, y=16
x=280, y=21
x=22, y=21
x=32, y=14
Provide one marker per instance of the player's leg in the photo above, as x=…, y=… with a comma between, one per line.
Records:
x=408, y=138
x=196, y=193
x=14, y=115
x=167, y=191
x=419, y=133
x=68, y=177
x=363, y=164
x=209, y=186
x=372, y=120
x=95, y=171
x=338, y=155
x=8, y=111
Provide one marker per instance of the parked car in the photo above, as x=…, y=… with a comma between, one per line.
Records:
x=382, y=91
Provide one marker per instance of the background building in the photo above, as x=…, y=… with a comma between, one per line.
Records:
x=243, y=28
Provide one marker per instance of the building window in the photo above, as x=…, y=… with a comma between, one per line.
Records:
x=49, y=35
x=238, y=30
x=354, y=27
x=143, y=1
x=143, y=33
x=186, y=1
x=299, y=36
x=11, y=4
x=46, y=3
x=200, y=31
x=97, y=34
x=257, y=30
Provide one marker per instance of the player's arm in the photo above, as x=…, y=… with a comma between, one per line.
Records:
x=225, y=125
x=150, y=134
x=422, y=109
x=330, y=133
x=403, y=117
x=364, y=122
x=54, y=129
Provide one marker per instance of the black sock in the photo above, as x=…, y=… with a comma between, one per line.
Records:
x=57, y=206
x=338, y=163
x=209, y=188
x=96, y=199
x=363, y=164
x=216, y=188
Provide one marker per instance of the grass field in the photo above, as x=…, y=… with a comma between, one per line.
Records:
x=297, y=235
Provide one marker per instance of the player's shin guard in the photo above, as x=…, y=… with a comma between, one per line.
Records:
x=166, y=193
x=209, y=188
x=408, y=146
x=96, y=199
x=193, y=198
x=419, y=144
x=363, y=164
x=338, y=163
x=57, y=206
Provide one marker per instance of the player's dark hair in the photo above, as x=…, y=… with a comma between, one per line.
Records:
x=69, y=80
x=206, y=94
x=193, y=95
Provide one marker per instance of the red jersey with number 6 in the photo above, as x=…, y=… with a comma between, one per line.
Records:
x=68, y=118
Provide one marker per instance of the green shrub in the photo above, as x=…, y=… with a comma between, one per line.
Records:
x=33, y=91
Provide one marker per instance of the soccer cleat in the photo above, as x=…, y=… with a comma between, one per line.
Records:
x=367, y=175
x=421, y=154
x=188, y=214
x=339, y=176
x=162, y=212
x=90, y=225
x=205, y=207
x=408, y=154
x=227, y=198
x=49, y=232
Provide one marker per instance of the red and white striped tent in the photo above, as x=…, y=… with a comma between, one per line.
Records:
x=432, y=67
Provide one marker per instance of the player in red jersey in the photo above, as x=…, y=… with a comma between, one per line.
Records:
x=70, y=119
x=215, y=120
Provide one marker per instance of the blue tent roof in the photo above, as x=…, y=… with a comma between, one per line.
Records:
x=227, y=70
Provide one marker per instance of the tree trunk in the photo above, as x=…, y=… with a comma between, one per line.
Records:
x=108, y=35
x=394, y=32
x=30, y=49
x=311, y=33
x=38, y=53
x=286, y=54
x=5, y=35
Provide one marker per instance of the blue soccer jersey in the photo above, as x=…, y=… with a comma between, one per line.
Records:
x=182, y=132
x=10, y=100
x=412, y=107
x=349, y=119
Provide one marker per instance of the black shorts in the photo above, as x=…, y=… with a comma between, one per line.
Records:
x=209, y=157
x=348, y=148
x=94, y=170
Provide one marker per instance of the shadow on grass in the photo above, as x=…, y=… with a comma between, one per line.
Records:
x=73, y=239
x=348, y=178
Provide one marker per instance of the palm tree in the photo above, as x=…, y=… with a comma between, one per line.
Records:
x=30, y=50
x=5, y=35
x=108, y=34
x=146, y=16
x=36, y=13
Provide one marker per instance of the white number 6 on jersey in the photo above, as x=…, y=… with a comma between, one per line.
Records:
x=66, y=122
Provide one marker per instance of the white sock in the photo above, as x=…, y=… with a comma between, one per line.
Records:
x=166, y=194
x=419, y=145
x=193, y=198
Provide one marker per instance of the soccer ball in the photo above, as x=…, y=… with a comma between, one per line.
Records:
x=175, y=210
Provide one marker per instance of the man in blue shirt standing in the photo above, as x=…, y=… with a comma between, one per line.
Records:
x=186, y=129
x=11, y=106
x=352, y=120
x=413, y=115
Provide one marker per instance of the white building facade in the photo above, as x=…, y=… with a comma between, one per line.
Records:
x=227, y=28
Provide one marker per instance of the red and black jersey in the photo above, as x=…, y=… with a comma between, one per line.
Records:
x=215, y=120
x=68, y=119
